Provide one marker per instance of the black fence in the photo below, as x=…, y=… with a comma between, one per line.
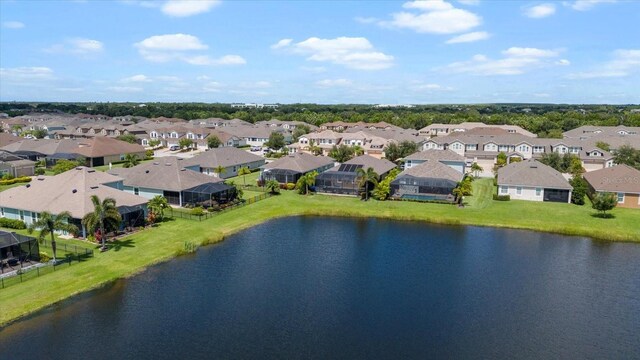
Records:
x=187, y=214
x=66, y=255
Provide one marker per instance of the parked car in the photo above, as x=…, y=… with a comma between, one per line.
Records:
x=256, y=148
x=174, y=148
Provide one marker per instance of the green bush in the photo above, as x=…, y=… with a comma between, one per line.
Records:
x=22, y=179
x=501, y=197
x=198, y=211
x=6, y=177
x=291, y=186
x=148, y=154
x=44, y=257
x=12, y=224
x=39, y=171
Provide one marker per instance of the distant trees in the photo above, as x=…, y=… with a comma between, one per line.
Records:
x=627, y=155
x=395, y=151
x=342, y=153
x=213, y=142
x=567, y=163
x=603, y=145
x=299, y=131
x=276, y=141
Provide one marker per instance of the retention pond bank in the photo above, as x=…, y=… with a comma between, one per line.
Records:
x=307, y=287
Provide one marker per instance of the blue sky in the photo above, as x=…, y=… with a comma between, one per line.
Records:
x=390, y=52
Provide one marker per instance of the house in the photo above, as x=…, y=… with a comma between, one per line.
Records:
x=343, y=178
x=430, y=179
x=71, y=191
x=101, y=150
x=232, y=159
x=15, y=165
x=178, y=182
x=446, y=129
x=447, y=157
x=289, y=168
x=622, y=180
x=532, y=180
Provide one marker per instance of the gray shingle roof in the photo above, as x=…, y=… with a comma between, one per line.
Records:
x=225, y=156
x=380, y=166
x=166, y=173
x=433, y=154
x=619, y=178
x=433, y=169
x=300, y=162
x=532, y=173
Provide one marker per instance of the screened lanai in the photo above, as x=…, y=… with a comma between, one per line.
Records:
x=207, y=193
x=282, y=176
x=16, y=249
x=344, y=180
x=423, y=188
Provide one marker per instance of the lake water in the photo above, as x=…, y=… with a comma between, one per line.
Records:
x=329, y=288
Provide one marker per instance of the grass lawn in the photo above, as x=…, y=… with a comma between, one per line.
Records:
x=116, y=166
x=134, y=253
x=251, y=179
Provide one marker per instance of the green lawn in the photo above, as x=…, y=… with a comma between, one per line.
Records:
x=140, y=250
x=5, y=187
x=117, y=165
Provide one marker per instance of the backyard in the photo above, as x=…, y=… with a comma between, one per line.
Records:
x=135, y=252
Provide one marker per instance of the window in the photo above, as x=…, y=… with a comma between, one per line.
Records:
x=519, y=190
x=620, y=197
x=504, y=189
x=21, y=215
x=2, y=212
x=538, y=191
x=136, y=191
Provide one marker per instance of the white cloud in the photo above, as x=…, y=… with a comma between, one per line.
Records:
x=365, y=20
x=563, y=62
x=79, y=46
x=26, y=73
x=624, y=62
x=540, y=11
x=282, y=43
x=435, y=17
x=517, y=60
x=351, y=52
x=184, y=8
x=429, y=87
x=584, y=5
x=136, y=78
x=178, y=42
x=326, y=83
x=469, y=2
x=125, y=89
x=181, y=47
x=13, y=25
x=469, y=37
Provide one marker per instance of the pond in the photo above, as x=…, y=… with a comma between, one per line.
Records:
x=306, y=287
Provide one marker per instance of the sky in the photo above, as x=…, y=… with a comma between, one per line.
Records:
x=378, y=52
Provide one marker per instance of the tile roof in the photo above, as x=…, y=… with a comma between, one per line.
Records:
x=299, y=162
x=433, y=169
x=224, y=156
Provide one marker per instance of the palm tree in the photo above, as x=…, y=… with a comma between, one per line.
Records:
x=314, y=149
x=48, y=224
x=476, y=168
x=131, y=160
x=273, y=186
x=157, y=205
x=366, y=177
x=105, y=215
x=358, y=150
x=219, y=170
x=243, y=171
x=307, y=180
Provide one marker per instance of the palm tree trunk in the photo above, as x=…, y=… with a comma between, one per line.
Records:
x=53, y=247
x=104, y=236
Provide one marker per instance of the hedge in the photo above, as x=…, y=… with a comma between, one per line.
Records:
x=501, y=197
x=12, y=224
x=23, y=179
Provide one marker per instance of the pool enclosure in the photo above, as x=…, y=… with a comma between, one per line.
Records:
x=344, y=180
x=423, y=188
x=16, y=249
x=209, y=193
x=282, y=176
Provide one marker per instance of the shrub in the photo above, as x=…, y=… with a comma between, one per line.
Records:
x=501, y=197
x=148, y=154
x=291, y=186
x=12, y=224
x=44, y=257
x=198, y=211
x=39, y=171
x=22, y=179
x=6, y=177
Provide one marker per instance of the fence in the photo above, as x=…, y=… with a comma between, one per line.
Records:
x=66, y=256
x=182, y=214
